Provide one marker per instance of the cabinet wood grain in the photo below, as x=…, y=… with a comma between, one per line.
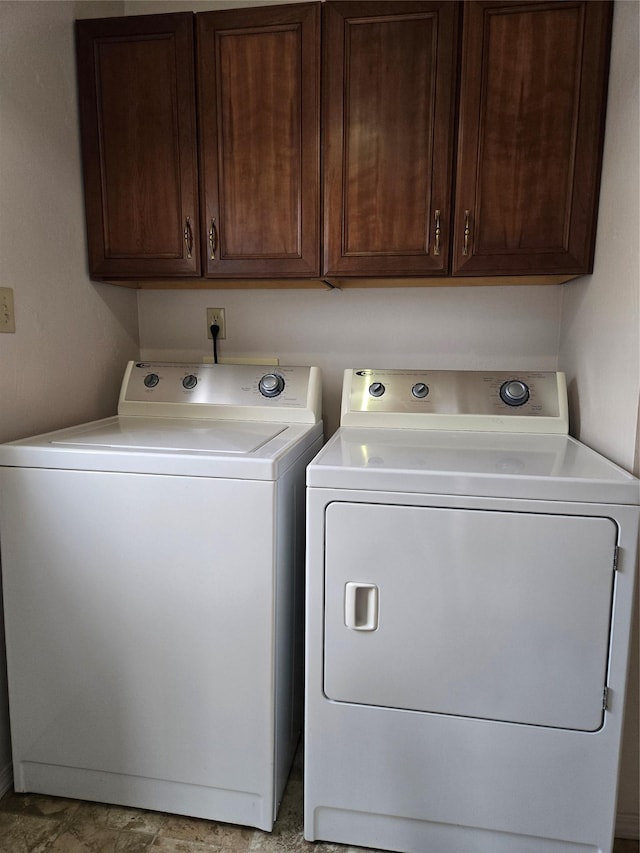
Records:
x=138, y=130
x=259, y=108
x=388, y=114
x=532, y=109
x=460, y=143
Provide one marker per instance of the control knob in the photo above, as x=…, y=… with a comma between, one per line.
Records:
x=190, y=381
x=420, y=390
x=514, y=392
x=151, y=380
x=377, y=389
x=271, y=385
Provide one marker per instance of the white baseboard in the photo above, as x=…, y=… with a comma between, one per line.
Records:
x=6, y=779
x=627, y=825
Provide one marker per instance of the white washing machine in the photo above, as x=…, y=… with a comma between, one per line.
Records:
x=153, y=592
x=470, y=575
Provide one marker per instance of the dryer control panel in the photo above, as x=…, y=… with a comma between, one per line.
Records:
x=495, y=401
x=221, y=391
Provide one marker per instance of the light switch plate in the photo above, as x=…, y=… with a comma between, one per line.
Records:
x=7, y=315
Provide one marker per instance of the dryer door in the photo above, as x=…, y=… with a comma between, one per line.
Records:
x=495, y=615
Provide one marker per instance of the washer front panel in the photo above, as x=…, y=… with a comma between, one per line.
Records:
x=123, y=628
x=493, y=615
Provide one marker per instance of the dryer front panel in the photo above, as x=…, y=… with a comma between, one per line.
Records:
x=473, y=613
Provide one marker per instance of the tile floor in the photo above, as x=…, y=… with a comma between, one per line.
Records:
x=31, y=823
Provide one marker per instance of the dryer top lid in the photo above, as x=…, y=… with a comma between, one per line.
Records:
x=482, y=464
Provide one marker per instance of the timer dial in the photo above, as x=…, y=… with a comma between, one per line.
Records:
x=514, y=392
x=151, y=380
x=190, y=381
x=376, y=389
x=271, y=385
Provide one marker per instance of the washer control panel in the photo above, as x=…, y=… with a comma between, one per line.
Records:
x=525, y=401
x=240, y=391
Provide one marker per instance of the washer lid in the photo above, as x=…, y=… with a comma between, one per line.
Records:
x=511, y=465
x=173, y=435
x=248, y=450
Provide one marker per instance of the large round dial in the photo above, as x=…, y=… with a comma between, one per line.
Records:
x=514, y=392
x=190, y=381
x=377, y=389
x=151, y=380
x=271, y=385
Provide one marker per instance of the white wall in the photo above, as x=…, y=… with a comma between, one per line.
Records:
x=600, y=329
x=600, y=313
x=65, y=361
x=66, y=358
x=441, y=327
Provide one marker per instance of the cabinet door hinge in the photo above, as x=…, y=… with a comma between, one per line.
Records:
x=605, y=699
x=615, y=558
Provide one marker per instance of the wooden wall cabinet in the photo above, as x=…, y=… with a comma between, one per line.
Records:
x=138, y=131
x=259, y=111
x=389, y=78
x=530, y=127
x=460, y=142
x=257, y=210
x=531, y=130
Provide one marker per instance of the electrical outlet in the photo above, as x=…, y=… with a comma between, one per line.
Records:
x=7, y=316
x=215, y=317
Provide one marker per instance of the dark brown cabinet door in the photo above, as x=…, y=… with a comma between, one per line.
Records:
x=532, y=103
x=258, y=83
x=138, y=126
x=388, y=111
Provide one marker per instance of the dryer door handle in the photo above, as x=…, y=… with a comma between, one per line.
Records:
x=361, y=604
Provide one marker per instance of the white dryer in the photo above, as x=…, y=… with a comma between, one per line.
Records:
x=153, y=592
x=470, y=575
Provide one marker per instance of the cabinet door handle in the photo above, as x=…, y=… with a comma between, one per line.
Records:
x=467, y=232
x=188, y=236
x=213, y=240
x=436, y=244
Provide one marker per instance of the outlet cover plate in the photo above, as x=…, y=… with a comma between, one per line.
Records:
x=215, y=317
